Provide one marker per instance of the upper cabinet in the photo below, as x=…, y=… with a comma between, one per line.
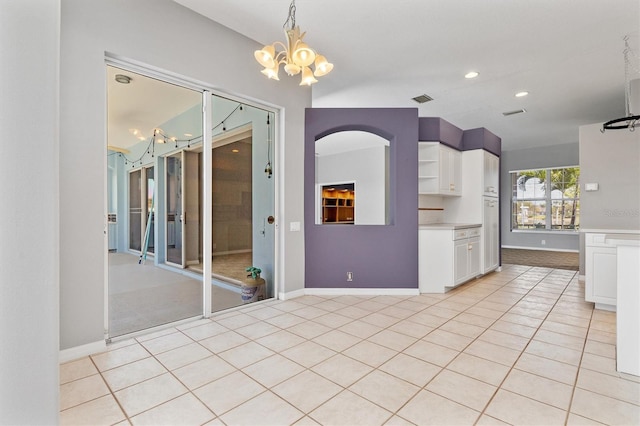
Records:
x=491, y=174
x=439, y=169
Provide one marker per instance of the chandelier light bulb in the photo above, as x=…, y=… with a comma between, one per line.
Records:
x=322, y=66
x=307, y=77
x=272, y=72
x=303, y=55
x=292, y=69
x=265, y=56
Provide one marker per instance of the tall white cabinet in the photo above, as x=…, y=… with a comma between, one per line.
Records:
x=479, y=202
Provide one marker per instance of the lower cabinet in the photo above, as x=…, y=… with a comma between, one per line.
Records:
x=491, y=235
x=447, y=258
x=600, y=271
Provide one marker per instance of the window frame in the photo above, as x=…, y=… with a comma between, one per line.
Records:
x=548, y=201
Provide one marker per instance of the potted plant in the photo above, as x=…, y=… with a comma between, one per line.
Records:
x=253, y=287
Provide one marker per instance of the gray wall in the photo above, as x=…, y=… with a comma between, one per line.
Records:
x=612, y=160
x=29, y=48
x=189, y=45
x=534, y=158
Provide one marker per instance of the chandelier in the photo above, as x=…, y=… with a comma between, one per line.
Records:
x=296, y=56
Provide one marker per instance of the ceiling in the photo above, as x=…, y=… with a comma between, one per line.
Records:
x=568, y=54
x=135, y=109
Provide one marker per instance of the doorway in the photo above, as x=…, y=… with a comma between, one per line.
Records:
x=158, y=188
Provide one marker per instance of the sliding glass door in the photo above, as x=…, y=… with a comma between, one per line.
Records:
x=243, y=203
x=168, y=161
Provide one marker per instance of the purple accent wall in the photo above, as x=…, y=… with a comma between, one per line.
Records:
x=481, y=138
x=435, y=129
x=380, y=256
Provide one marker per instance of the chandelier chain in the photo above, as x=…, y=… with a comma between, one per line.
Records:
x=291, y=19
x=627, y=78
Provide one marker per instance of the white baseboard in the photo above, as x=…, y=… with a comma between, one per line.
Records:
x=349, y=292
x=81, y=351
x=581, y=278
x=541, y=249
x=362, y=291
x=292, y=294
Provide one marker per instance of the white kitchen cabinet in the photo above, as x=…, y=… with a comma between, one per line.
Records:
x=447, y=257
x=491, y=175
x=439, y=169
x=490, y=235
x=479, y=203
x=600, y=271
x=450, y=177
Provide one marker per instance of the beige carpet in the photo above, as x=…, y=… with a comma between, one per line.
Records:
x=542, y=258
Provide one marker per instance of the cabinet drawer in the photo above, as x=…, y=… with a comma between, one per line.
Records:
x=466, y=233
x=460, y=234
x=474, y=232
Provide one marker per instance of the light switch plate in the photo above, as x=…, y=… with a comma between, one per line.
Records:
x=590, y=186
x=294, y=226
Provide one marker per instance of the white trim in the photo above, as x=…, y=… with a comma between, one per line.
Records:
x=546, y=231
x=362, y=292
x=150, y=330
x=544, y=168
x=582, y=278
x=81, y=351
x=611, y=231
x=207, y=202
x=541, y=249
x=292, y=294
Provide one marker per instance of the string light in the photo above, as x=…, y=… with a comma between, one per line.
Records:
x=158, y=132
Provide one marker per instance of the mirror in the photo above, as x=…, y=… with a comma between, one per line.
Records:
x=346, y=161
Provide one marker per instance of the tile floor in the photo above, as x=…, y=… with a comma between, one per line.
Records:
x=516, y=347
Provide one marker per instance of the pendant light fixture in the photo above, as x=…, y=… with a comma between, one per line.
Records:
x=296, y=56
x=630, y=120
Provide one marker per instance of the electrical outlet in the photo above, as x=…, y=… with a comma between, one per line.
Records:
x=543, y=242
x=349, y=276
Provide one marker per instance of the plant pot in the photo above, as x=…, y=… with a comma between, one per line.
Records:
x=253, y=289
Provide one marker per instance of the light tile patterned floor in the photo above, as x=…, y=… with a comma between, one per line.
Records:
x=516, y=347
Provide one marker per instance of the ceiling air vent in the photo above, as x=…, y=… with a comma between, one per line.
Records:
x=422, y=99
x=517, y=111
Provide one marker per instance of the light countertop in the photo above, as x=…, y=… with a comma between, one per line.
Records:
x=449, y=226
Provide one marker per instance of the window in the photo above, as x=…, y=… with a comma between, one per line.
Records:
x=546, y=199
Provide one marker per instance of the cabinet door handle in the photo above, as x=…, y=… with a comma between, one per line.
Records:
x=469, y=247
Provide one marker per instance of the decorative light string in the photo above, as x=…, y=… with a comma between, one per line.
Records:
x=151, y=147
x=178, y=142
x=269, y=168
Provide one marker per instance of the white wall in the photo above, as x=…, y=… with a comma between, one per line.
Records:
x=162, y=34
x=365, y=167
x=29, y=47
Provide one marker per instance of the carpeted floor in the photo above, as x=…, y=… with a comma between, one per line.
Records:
x=543, y=258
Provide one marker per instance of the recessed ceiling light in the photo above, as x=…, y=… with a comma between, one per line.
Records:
x=141, y=138
x=124, y=79
x=471, y=74
x=188, y=135
x=235, y=150
x=521, y=94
